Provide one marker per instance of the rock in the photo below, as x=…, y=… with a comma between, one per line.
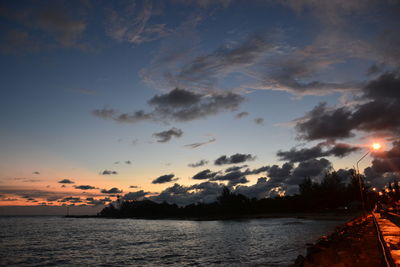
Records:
x=299, y=261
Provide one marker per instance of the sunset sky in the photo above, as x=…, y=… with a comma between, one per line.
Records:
x=172, y=99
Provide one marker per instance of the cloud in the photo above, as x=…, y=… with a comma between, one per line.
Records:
x=71, y=200
x=379, y=179
x=117, y=116
x=332, y=13
x=196, y=145
x=385, y=166
x=236, y=158
x=133, y=186
x=232, y=175
x=165, y=136
x=260, y=63
x=37, y=194
x=113, y=190
x=241, y=115
x=26, y=180
x=60, y=23
x=258, y=170
x=128, y=162
x=233, y=178
x=131, y=23
x=235, y=168
x=376, y=113
x=164, y=179
x=66, y=181
x=342, y=150
x=333, y=149
x=176, y=98
x=206, y=192
x=277, y=175
x=256, y=63
x=284, y=179
x=8, y=199
x=312, y=168
x=97, y=202
x=135, y=195
x=322, y=123
x=53, y=198
x=84, y=187
x=279, y=180
x=178, y=105
x=207, y=71
x=298, y=70
x=18, y=42
x=180, y=64
x=206, y=174
x=374, y=69
x=182, y=105
x=36, y=172
x=109, y=172
x=261, y=189
x=29, y=198
x=259, y=121
x=198, y=164
x=84, y=91
x=65, y=29
x=31, y=180
x=303, y=154
x=206, y=3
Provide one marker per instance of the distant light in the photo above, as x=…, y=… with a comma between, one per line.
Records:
x=376, y=146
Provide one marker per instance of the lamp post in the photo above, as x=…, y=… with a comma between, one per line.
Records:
x=375, y=146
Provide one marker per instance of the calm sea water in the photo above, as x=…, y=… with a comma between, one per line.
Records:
x=57, y=241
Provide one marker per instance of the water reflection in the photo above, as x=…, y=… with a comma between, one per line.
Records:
x=38, y=241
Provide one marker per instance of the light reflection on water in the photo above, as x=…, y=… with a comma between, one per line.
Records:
x=57, y=241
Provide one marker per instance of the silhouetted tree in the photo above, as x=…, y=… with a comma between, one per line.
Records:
x=330, y=194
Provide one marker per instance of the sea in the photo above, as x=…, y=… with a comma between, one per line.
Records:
x=60, y=241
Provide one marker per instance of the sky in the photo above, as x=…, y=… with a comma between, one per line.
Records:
x=172, y=100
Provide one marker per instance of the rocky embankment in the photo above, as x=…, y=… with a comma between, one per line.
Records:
x=355, y=243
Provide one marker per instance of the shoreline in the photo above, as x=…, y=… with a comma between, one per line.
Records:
x=332, y=216
x=353, y=243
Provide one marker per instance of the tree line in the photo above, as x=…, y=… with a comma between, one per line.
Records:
x=331, y=194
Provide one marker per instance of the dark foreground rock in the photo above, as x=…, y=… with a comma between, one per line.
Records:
x=353, y=244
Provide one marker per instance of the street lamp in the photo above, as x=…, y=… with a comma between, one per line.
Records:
x=375, y=147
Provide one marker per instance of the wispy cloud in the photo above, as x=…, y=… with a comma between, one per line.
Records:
x=198, y=164
x=166, y=136
x=113, y=190
x=259, y=121
x=84, y=187
x=60, y=23
x=131, y=23
x=241, y=115
x=196, y=145
x=178, y=105
x=109, y=172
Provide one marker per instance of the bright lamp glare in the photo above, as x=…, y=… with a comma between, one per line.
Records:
x=376, y=146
